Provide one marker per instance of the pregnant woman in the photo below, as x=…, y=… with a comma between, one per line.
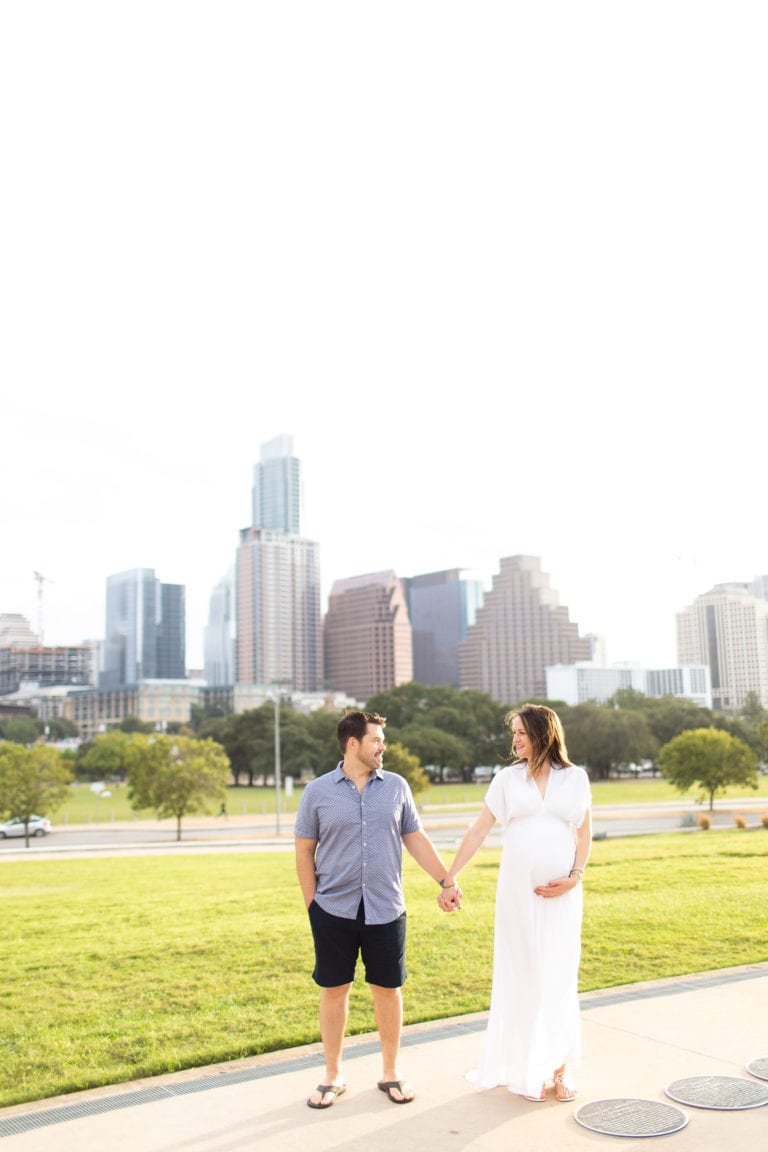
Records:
x=542, y=802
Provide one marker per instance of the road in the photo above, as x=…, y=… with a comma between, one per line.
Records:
x=446, y=826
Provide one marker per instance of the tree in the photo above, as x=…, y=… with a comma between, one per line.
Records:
x=710, y=758
x=133, y=724
x=59, y=728
x=33, y=781
x=752, y=711
x=248, y=739
x=21, y=730
x=104, y=757
x=199, y=714
x=472, y=717
x=435, y=747
x=298, y=750
x=762, y=736
x=398, y=759
x=322, y=727
x=666, y=716
x=603, y=738
x=176, y=775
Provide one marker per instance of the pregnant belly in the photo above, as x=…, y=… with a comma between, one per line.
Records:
x=540, y=847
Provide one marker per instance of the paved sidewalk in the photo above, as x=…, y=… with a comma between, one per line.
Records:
x=637, y=1039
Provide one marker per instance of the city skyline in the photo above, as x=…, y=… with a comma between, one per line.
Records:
x=511, y=303
x=195, y=641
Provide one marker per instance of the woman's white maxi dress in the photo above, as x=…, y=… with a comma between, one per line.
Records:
x=534, y=1025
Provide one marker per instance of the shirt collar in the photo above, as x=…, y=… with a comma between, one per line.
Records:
x=339, y=773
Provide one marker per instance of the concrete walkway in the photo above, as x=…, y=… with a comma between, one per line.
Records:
x=637, y=1039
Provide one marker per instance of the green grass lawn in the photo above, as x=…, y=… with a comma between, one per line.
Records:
x=85, y=807
x=120, y=968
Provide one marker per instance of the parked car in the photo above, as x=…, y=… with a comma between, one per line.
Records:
x=38, y=826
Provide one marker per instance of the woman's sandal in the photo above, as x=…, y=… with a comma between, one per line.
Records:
x=563, y=1092
x=537, y=1099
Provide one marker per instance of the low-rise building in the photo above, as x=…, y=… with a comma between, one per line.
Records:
x=586, y=682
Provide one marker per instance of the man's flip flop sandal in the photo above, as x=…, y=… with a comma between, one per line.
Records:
x=387, y=1086
x=324, y=1089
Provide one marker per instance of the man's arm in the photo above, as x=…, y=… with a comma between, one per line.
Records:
x=427, y=857
x=305, y=868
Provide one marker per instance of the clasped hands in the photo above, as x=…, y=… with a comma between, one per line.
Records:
x=449, y=899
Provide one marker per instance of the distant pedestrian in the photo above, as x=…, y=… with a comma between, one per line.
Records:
x=350, y=828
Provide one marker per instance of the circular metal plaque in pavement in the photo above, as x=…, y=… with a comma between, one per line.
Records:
x=759, y=1067
x=627, y=1116
x=724, y=1092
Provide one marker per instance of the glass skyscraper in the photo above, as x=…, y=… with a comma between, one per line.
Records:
x=441, y=605
x=277, y=583
x=145, y=629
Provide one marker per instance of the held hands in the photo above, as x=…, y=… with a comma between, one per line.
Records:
x=449, y=899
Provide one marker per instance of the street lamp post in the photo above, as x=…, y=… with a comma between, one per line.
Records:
x=277, y=763
x=277, y=688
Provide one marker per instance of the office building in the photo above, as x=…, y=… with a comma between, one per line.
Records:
x=277, y=581
x=276, y=497
x=582, y=683
x=759, y=586
x=15, y=632
x=441, y=606
x=727, y=629
x=145, y=630
x=166, y=703
x=219, y=634
x=44, y=667
x=367, y=636
x=519, y=630
x=157, y=702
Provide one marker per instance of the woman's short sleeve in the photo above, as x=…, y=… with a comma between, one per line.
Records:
x=585, y=797
x=497, y=798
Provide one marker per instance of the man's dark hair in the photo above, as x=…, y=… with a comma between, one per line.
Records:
x=356, y=724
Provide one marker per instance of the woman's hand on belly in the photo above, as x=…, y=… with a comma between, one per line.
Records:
x=557, y=887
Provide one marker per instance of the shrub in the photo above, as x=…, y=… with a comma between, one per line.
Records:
x=764, y=820
x=739, y=821
x=704, y=821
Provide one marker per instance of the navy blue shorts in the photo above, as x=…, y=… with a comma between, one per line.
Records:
x=339, y=941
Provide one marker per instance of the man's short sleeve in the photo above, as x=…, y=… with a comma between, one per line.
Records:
x=306, y=824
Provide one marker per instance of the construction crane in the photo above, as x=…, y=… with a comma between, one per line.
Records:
x=40, y=580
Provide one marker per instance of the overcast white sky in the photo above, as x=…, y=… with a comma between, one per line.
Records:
x=499, y=269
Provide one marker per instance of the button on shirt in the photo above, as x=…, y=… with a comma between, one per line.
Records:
x=359, y=851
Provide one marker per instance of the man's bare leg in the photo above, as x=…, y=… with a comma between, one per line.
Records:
x=334, y=1010
x=388, y=1008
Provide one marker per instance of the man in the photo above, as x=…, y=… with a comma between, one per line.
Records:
x=349, y=830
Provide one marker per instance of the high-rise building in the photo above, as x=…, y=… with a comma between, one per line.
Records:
x=367, y=637
x=276, y=496
x=145, y=630
x=15, y=632
x=727, y=629
x=441, y=606
x=219, y=636
x=759, y=586
x=519, y=630
x=171, y=632
x=277, y=582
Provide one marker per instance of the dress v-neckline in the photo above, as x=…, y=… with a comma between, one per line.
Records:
x=543, y=794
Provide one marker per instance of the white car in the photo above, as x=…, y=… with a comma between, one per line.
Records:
x=38, y=826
